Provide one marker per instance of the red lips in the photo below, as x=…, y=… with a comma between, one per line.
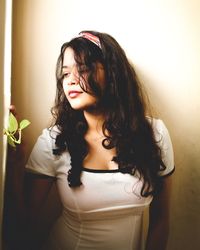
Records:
x=74, y=93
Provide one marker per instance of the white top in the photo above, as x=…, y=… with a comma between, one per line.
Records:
x=106, y=211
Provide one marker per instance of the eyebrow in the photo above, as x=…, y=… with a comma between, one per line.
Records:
x=65, y=67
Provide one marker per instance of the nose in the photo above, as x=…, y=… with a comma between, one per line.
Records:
x=74, y=77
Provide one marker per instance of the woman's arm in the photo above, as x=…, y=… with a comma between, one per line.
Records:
x=25, y=194
x=159, y=218
x=36, y=192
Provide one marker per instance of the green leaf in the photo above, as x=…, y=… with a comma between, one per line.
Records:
x=13, y=128
x=10, y=141
x=13, y=124
x=24, y=124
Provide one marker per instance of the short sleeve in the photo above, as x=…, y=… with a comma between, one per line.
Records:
x=41, y=159
x=164, y=141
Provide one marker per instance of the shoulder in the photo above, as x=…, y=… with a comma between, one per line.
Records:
x=49, y=134
x=47, y=138
x=158, y=125
x=42, y=160
x=159, y=128
x=163, y=139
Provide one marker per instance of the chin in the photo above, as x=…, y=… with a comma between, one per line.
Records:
x=79, y=107
x=87, y=107
x=79, y=104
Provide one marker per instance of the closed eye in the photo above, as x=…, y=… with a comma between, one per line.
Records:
x=65, y=74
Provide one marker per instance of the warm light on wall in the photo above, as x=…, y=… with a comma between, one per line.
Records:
x=162, y=39
x=5, y=33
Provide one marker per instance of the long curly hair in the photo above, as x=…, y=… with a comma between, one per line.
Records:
x=122, y=101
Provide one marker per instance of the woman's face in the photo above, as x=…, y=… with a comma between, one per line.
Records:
x=77, y=97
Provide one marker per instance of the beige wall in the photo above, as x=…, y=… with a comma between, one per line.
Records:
x=162, y=38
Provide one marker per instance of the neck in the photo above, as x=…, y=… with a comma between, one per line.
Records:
x=94, y=121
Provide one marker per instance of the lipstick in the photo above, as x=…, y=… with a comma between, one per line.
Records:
x=74, y=93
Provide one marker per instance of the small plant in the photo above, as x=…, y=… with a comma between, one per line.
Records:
x=14, y=130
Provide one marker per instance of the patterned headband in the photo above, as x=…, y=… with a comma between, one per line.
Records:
x=92, y=38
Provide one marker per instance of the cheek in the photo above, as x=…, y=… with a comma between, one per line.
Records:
x=65, y=90
x=64, y=87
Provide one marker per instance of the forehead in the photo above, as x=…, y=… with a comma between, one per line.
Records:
x=69, y=59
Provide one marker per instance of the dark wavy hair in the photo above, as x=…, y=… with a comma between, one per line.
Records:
x=123, y=104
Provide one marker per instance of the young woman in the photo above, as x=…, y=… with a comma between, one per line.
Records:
x=110, y=161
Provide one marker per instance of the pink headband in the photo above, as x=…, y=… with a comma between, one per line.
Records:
x=92, y=38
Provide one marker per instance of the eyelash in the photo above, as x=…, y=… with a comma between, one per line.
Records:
x=65, y=75
x=81, y=71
